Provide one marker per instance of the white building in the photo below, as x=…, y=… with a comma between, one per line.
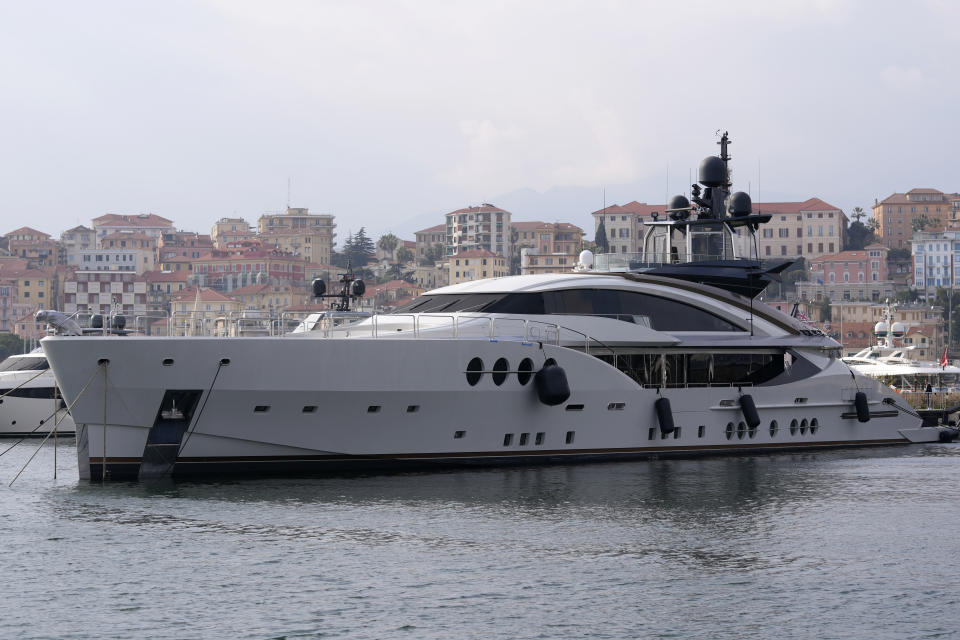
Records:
x=936, y=258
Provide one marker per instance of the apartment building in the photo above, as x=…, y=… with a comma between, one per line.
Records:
x=271, y=298
x=624, y=224
x=895, y=214
x=72, y=241
x=230, y=269
x=146, y=223
x=477, y=264
x=482, y=228
x=430, y=238
x=936, y=258
x=850, y=275
x=105, y=292
x=299, y=232
x=230, y=230
x=194, y=311
x=36, y=247
x=807, y=229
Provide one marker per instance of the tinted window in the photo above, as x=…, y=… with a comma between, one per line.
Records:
x=24, y=364
x=655, y=312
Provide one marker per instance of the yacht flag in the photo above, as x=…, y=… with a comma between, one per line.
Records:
x=945, y=360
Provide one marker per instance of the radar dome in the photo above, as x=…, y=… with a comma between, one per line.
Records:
x=678, y=202
x=740, y=204
x=713, y=172
x=897, y=329
x=586, y=258
x=881, y=329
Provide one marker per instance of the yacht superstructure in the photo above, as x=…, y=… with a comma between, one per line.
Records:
x=30, y=404
x=662, y=358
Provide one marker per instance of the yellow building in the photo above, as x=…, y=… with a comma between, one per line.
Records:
x=299, y=232
x=230, y=230
x=477, y=264
x=197, y=314
x=268, y=297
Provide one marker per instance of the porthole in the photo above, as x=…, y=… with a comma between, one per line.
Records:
x=793, y=427
x=752, y=432
x=574, y=407
x=224, y=362
x=729, y=430
x=168, y=362
x=741, y=430
x=540, y=437
x=525, y=371
x=803, y=427
x=459, y=434
x=310, y=408
x=261, y=408
x=500, y=368
x=524, y=437
x=616, y=406
x=814, y=426
x=773, y=428
x=413, y=408
x=474, y=371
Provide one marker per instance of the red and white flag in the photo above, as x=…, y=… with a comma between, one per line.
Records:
x=945, y=360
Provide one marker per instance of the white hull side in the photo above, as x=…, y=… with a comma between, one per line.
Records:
x=424, y=399
x=31, y=417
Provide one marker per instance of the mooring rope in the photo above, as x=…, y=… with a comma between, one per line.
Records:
x=906, y=410
x=69, y=408
x=199, y=413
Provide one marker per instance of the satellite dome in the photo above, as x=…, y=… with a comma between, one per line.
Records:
x=713, y=172
x=678, y=202
x=740, y=204
x=880, y=329
x=897, y=329
x=586, y=258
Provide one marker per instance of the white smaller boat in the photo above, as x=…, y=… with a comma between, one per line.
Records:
x=31, y=404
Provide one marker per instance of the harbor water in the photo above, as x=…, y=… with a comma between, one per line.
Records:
x=838, y=544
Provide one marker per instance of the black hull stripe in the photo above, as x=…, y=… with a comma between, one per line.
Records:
x=129, y=468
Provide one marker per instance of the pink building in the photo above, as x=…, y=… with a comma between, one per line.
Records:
x=863, y=266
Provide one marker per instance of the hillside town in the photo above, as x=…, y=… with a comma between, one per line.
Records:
x=846, y=270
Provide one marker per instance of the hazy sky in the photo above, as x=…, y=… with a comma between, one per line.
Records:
x=384, y=112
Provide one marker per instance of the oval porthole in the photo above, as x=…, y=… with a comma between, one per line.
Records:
x=500, y=369
x=729, y=430
x=803, y=427
x=549, y=362
x=474, y=371
x=773, y=428
x=741, y=430
x=525, y=371
x=752, y=431
x=814, y=426
x=168, y=362
x=793, y=427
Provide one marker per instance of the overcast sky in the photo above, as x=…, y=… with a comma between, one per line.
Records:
x=383, y=113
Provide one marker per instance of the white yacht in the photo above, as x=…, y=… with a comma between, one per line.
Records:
x=30, y=404
x=664, y=354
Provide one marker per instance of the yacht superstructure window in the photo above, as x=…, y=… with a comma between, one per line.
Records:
x=24, y=364
x=697, y=369
x=659, y=313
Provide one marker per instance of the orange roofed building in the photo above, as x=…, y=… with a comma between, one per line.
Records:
x=895, y=214
x=477, y=264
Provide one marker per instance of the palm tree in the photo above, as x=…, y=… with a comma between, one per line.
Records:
x=388, y=243
x=858, y=214
x=873, y=225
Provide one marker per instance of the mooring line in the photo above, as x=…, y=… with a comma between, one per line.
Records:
x=79, y=395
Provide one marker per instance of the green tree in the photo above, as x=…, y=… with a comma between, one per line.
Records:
x=601, y=238
x=858, y=236
x=858, y=214
x=920, y=223
x=388, y=243
x=404, y=255
x=825, y=310
x=907, y=296
x=10, y=344
x=359, y=249
x=873, y=225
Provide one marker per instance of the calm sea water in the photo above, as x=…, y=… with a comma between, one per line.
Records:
x=845, y=544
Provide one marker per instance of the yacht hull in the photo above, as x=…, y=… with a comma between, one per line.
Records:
x=30, y=410
x=304, y=405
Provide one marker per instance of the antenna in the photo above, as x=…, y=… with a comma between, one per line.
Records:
x=288, y=193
